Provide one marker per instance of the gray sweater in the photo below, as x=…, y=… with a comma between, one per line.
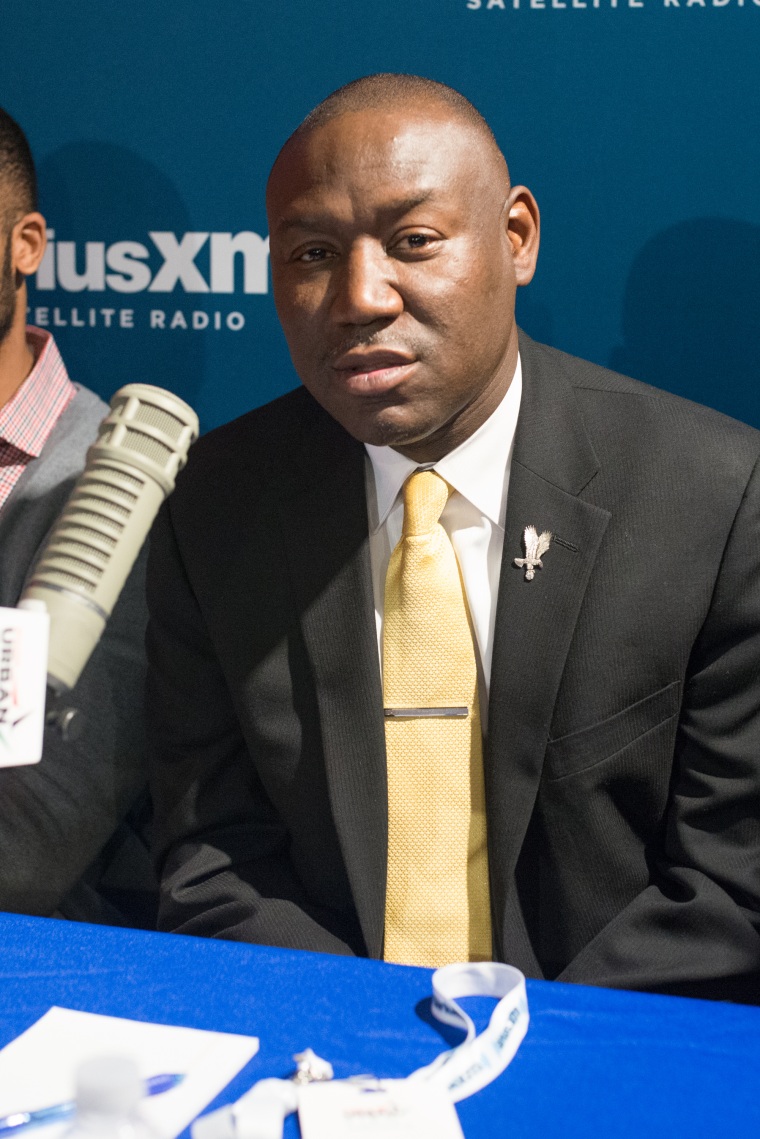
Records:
x=68, y=843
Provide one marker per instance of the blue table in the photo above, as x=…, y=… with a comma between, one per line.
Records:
x=594, y=1063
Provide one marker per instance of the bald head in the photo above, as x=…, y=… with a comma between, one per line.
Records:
x=416, y=96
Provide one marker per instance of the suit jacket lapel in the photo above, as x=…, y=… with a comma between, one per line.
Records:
x=553, y=461
x=326, y=535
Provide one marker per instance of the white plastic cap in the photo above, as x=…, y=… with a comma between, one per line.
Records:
x=108, y=1085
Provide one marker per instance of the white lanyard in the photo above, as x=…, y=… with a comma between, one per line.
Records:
x=459, y=1072
x=479, y=1059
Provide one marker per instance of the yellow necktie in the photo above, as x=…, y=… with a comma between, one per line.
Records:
x=437, y=907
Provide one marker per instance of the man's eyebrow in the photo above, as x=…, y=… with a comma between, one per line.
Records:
x=404, y=205
x=319, y=221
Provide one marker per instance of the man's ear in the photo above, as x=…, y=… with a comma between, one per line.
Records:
x=523, y=223
x=28, y=241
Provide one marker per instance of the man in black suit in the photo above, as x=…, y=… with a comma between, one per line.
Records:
x=618, y=678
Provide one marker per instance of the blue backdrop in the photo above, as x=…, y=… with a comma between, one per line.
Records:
x=635, y=123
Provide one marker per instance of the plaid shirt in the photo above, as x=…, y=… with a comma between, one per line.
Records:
x=28, y=418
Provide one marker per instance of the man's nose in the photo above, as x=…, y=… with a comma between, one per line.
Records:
x=365, y=287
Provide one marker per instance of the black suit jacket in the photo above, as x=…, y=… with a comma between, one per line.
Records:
x=623, y=754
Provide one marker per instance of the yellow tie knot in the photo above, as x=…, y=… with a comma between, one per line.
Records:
x=425, y=495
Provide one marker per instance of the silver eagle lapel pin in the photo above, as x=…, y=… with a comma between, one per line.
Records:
x=535, y=545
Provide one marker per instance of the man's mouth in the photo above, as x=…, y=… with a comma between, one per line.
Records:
x=374, y=371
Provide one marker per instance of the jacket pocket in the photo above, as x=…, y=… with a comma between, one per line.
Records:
x=589, y=746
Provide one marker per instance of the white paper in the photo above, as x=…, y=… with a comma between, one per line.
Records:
x=37, y=1068
x=23, y=680
x=398, y=1108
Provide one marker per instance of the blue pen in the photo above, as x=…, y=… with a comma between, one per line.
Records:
x=22, y=1120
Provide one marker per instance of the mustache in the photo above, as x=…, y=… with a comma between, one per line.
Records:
x=374, y=341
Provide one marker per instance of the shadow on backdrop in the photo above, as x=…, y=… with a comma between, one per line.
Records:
x=534, y=316
x=690, y=315
x=95, y=191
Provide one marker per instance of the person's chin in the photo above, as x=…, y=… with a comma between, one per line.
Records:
x=386, y=427
x=389, y=418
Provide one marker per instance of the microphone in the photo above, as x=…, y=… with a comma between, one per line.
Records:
x=130, y=469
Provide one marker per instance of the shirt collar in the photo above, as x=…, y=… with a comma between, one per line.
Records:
x=31, y=414
x=476, y=468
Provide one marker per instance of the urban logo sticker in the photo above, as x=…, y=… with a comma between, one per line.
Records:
x=10, y=713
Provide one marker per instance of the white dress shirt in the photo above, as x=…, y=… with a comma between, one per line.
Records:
x=473, y=517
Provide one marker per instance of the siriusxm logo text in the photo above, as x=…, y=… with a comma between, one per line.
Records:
x=124, y=268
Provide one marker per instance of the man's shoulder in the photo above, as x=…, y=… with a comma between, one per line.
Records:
x=76, y=427
x=292, y=411
x=245, y=469
x=262, y=439
x=646, y=413
x=86, y=407
x=64, y=452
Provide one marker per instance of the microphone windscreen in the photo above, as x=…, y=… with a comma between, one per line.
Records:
x=130, y=469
